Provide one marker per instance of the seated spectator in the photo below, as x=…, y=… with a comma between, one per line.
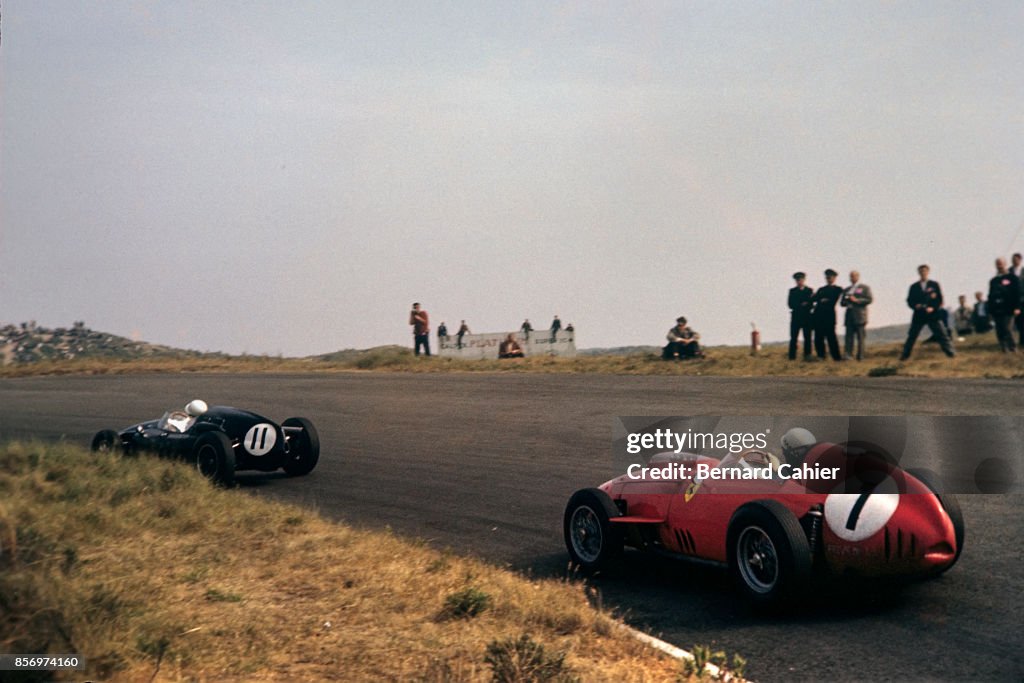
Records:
x=510, y=348
x=962, y=318
x=981, y=318
x=683, y=342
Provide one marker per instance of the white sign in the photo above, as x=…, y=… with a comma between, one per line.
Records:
x=477, y=346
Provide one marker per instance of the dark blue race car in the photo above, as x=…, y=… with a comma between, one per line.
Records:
x=220, y=440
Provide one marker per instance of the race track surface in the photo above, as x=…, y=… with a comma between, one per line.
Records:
x=484, y=464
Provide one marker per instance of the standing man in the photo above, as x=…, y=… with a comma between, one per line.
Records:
x=856, y=299
x=981, y=319
x=1015, y=268
x=824, y=316
x=463, y=331
x=1004, y=296
x=925, y=299
x=442, y=332
x=800, y=315
x=526, y=328
x=556, y=325
x=420, y=328
x=1015, y=262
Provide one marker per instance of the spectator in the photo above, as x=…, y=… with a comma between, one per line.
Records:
x=981, y=319
x=510, y=348
x=800, y=315
x=824, y=316
x=463, y=331
x=420, y=328
x=683, y=342
x=442, y=332
x=556, y=325
x=925, y=299
x=1019, y=318
x=526, y=328
x=962, y=317
x=570, y=328
x=856, y=298
x=1004, y=297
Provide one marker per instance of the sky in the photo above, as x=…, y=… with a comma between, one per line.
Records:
x=287, y=178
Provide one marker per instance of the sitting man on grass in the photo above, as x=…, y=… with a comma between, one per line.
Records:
x=683, y=342
x=510, y=348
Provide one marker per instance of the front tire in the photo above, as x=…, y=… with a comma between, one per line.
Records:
x=949, y=503
x=594, y=543
x=304, y=447
x=214, y=457
x=769, y=554
x=106, y=441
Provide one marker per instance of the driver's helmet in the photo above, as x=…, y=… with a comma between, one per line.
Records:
x=196, y=408
x=795, y=444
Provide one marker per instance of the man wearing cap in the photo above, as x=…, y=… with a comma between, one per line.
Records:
x=824, y=316
x=856, y=299
x=800, y=315
x=1004, y=295
x=683, y=342
x=925, y=299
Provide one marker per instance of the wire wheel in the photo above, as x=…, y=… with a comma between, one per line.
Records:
x=757, y=559
x=208, y=460
x=585, y=534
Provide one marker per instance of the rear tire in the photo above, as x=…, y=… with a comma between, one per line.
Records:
x=106, y=441
x=304, y=448
x=949, y=503
x=214, y=457
x=594, y=543
x=769, y=554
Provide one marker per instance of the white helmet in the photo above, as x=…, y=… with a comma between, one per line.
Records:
x=795, y=444
x=196, y=408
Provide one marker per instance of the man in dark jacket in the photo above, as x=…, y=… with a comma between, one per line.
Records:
x=824, y=316
x=981, y=319
x=925, y=299
x=1017, y=269
x=1004, y=295
x=800, y=315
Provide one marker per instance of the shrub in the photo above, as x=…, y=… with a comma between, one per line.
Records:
x=465, y=604
x=525, y=661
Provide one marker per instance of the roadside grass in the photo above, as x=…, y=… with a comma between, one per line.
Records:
x=150, y=573
x=978, y=357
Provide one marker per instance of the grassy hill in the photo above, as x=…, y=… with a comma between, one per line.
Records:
x=29, y=343
x=107, y=354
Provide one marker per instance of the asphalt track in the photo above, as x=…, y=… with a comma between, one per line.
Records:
x=483, y=464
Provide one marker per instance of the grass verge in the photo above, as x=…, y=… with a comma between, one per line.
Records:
x=150, y=573
x=978, y=358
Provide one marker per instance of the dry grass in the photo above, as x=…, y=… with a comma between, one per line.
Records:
x=978, y=357
x=147, y=571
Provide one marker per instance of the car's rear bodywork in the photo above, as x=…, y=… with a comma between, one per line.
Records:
x=893, y=523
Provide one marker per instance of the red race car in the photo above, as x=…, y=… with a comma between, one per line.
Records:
x=830, y=507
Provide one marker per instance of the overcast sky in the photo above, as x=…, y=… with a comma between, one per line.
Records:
x=288, y=177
